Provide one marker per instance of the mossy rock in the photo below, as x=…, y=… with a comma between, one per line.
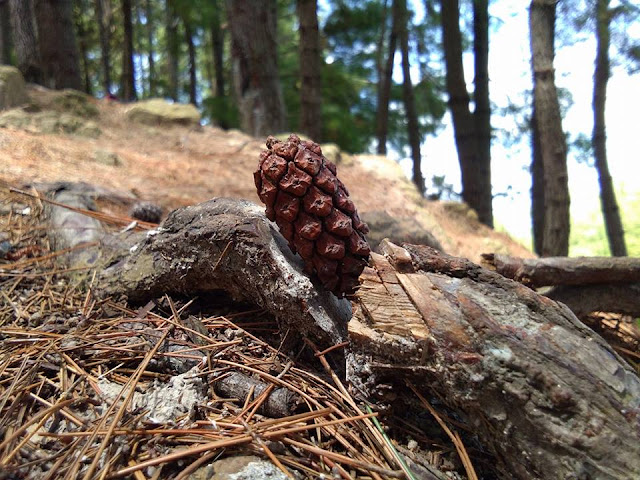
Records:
x=15, y=118
x=12, y=88
x=75, y=103
x=157, y=111
x=49, y=122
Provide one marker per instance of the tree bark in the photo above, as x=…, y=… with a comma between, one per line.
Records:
x=464, y=125
x=518, y=368
x=541, y=272
x=482, y=111
x=5, y=33
x=310, y=70
x=25, y=41
x=191, y=49
x=173, y=49
x=104, y=26
x=537, y=187
x=255, y=67
x=553, y=146
x=611, y=298
x=83, y=46
x=400, y=12
x=610, y=210
x=217, y=43
x=150, y=50
x=57, y=41
x=128, y=90
x=384, y=88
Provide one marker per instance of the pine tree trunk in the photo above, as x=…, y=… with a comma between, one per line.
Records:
x=400, y=12
x=5, y=33
x=25, y=42
x=104, y=27
x=217, y=43
x=84, y=55
x=150, y=59
x=128, y=91
x=610, y=210
x=553, y=146
x=255, y=68
x=57, y=41
x=482, y=112
x=310, y=70
x=139, y=47
x=173, y=49
x=464, y=126
x=537, y=187
x=384, y=88
x=188, y=34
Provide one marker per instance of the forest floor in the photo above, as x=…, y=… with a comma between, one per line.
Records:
x=176, y=166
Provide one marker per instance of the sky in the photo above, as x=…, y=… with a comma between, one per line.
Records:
x=510, y=76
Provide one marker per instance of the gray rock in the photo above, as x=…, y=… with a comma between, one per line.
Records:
x=12, y=88
x=157, y=111
x=398, y=230
x=246, y=467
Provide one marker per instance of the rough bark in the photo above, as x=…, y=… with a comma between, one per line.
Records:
x=482, y=111
x=128, y=89
x=518, y=367
x=401, y=14
x=57, y=42
x=148, y=9
x=553, y=146
x=540, y=272
x=611, y=298
x=25, y=41
x=173, y=49
x=310, y=70
x=217, y=43
x=537, y=187
x=464, y=126
x=610, y=210
x=5, y=33
x=103, y=12
x=191, y=50
x=255, y=67
x=384, y=88
x=228, y=245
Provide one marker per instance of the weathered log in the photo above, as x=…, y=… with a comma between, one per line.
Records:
x=540, y=272
x=584, y=299
x=228, y=245
x=545, y=393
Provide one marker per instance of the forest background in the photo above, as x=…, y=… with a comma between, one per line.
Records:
x=445, y=87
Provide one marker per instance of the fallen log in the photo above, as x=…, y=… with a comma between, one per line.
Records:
x=545, y=393
x=541, y=272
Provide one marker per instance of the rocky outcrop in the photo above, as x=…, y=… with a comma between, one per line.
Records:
x=157, y=111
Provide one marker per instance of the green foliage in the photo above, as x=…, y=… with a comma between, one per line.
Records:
x=589, y=237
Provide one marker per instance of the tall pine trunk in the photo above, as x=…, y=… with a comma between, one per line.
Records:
x=217, y=44
x=128, y=90
x=173, y=49
x=191, y=49
x=537, y=187
x=57, y=41
x=400, y=12
x=384, y=87
x=463, y=122
x=103, y=11
x=25, y=41
x=5, y=33
x=482, y=111
x=148, y=12
x=310, y=70
x=553, y=146
x=610, y=210
x=83, y=45
x=255, y=68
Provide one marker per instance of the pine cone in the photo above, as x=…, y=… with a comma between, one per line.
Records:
x=147, y=212
x=311, y=206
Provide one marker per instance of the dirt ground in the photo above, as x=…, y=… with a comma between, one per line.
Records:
x=176, y=166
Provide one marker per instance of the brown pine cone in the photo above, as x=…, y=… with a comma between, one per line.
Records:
x=311, y=206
